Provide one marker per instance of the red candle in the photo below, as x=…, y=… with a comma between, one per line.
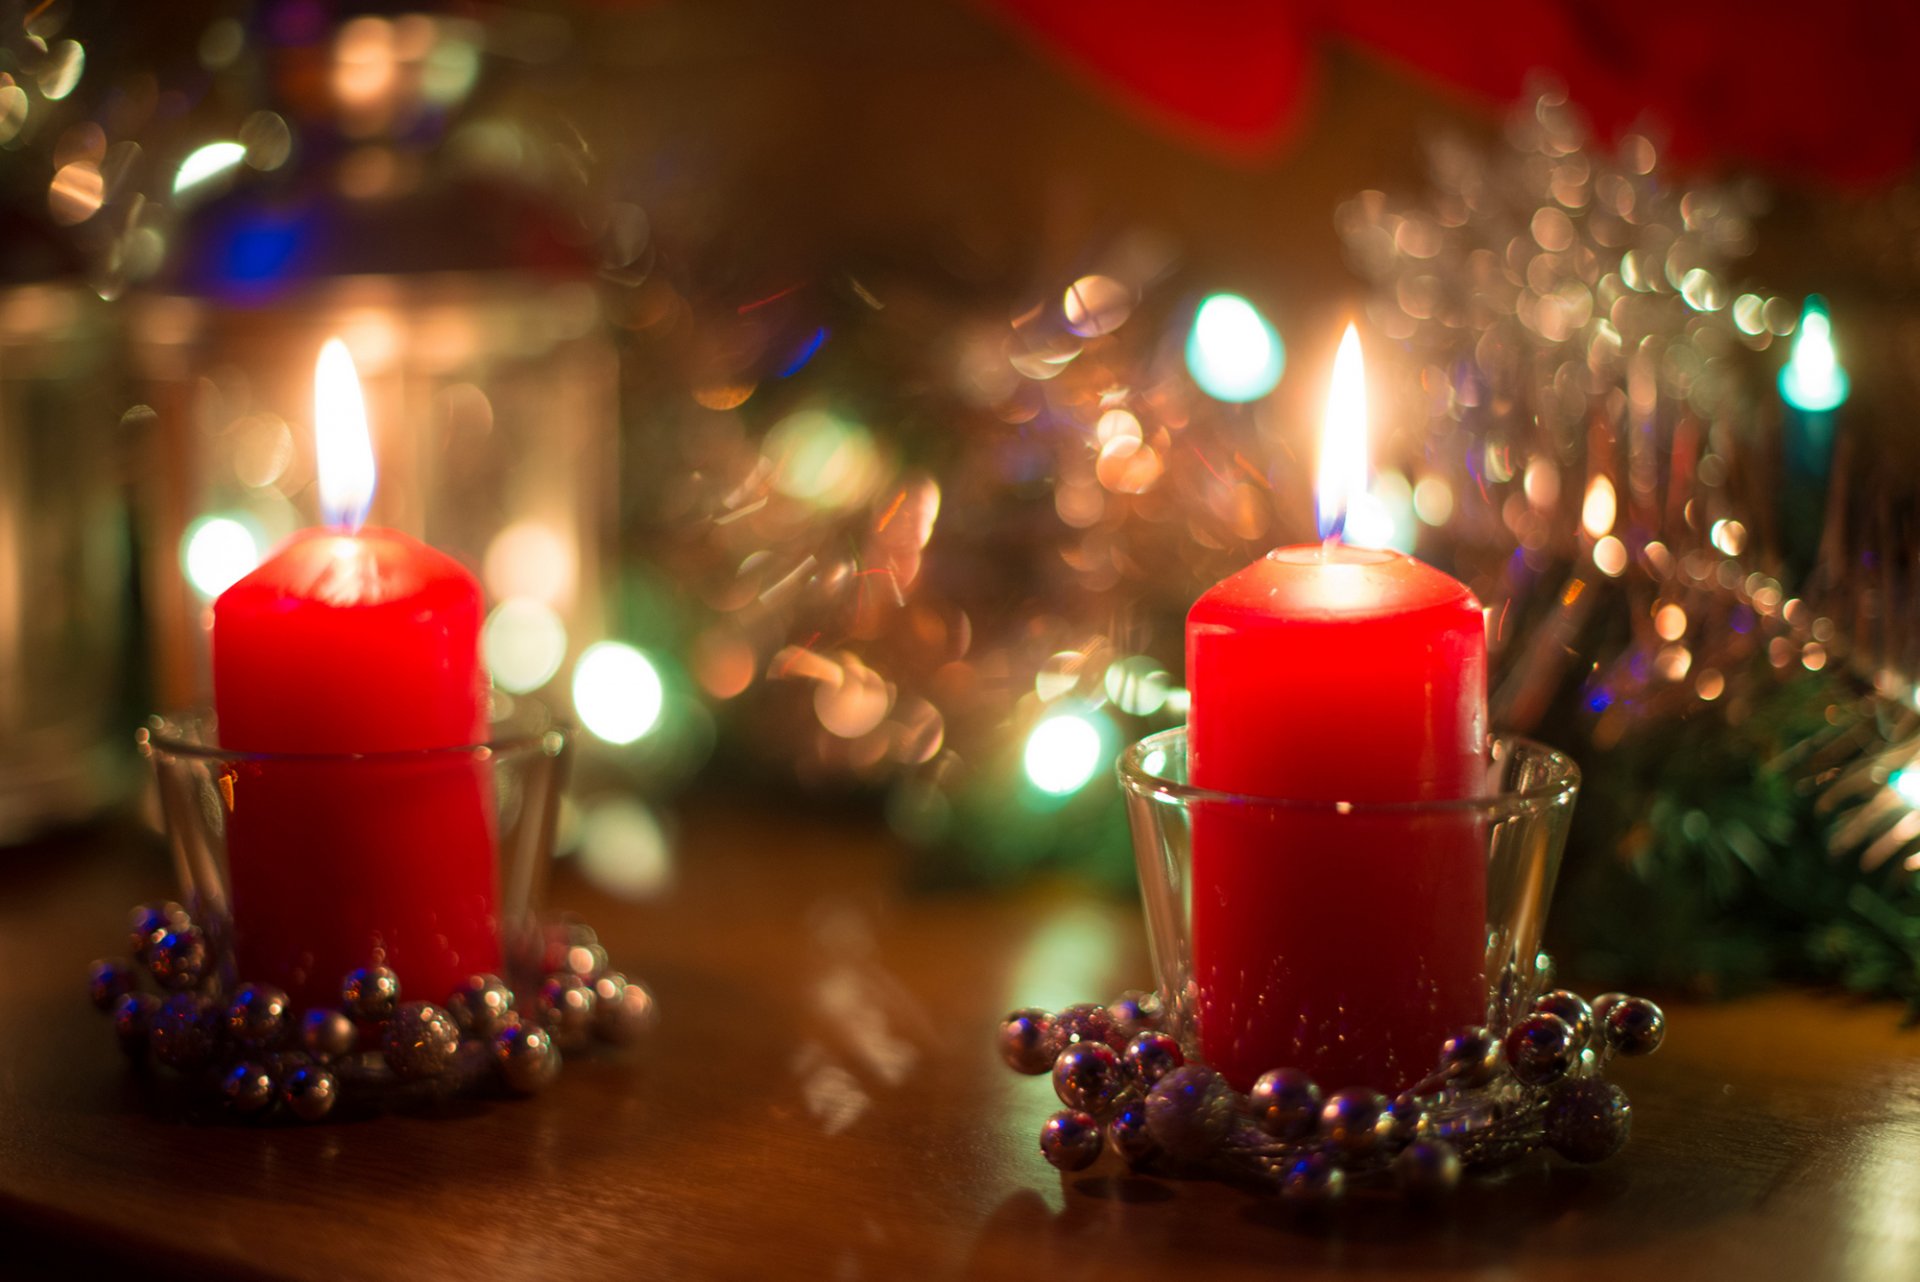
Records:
x=352, y=641
x=1348, y=945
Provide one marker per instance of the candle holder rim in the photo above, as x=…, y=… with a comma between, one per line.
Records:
x=1559, y=788
x=179, y=734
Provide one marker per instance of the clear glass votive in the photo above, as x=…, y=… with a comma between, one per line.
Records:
x=303, y=867
x=1348, y=940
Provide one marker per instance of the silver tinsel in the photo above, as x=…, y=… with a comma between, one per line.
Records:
x=1286, y=1103
x=1088, y=1078
x=1151, y=1055
x=1635, y=1026
x=181, y=1032
x=327, y=1034
x=259, y=1017
x=565, y=1007
x=527, y=1058
x=481, y=1005
x=1492, y=1098
x=108, y=980
x=1129, y=1138
x=370, y=994
x=247, y=1088
x=1190, y=1110
x=1029, y=1041
x=178, y=958
x=623, y=1011
x=1588, y=1119
x=263, y=1055
x=1071, y=1141
x=419, y=1041
x=310, y=1092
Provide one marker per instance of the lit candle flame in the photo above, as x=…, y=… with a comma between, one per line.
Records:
x=343, y=447
x=1343, y=440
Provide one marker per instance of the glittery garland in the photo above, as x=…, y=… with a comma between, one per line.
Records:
x=1126, y=1085
x=257, y=1056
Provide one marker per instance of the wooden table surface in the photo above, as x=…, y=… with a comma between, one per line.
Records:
x=823, y=1101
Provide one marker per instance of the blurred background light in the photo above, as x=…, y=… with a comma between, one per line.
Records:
x=1232, y=352
x=217, y=552
x=524, y=643
x=206, y=163
x=1063, y=752
x=617, y=692
x=1813, y=379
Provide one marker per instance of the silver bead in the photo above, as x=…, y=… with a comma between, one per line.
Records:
x=309, y=1092
x=259, y=1017
x=623, y=1012
x=1540, y=1049
x=108, y=980
x=1286, y=1103
x=585, y=958
x=1129, y=1138
x=178, y=959
x=181, y=1031
x=527, y=1058
x=1070, y=1141
x=1588, y=1119
x=1635, y=1026
x=1030, y=1041
x=147, y=923
x=1087, y=1022
x=1133, y=1012
x=1470, y=1057
x=1602, y=1004
x=247, y=1088
x=1355, y=1120
x=370, y=994
x=133, y=1017
x=481, y=1006
x=1427, y=1170
x=1571, y=1007
x=1190, y=1110
x=327, y=1034
x=1409, y=1121
x=1151, y=1056
x=1088, y=1078
x=1313, y=1180
x=565, y=1007
x=419, y=1041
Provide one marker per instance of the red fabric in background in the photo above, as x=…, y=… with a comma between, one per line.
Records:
x=1813, y=89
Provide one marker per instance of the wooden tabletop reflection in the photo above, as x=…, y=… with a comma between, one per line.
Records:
x=822, y=1101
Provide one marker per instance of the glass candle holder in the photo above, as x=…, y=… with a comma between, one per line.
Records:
x=1348, y=940
x=303, y=867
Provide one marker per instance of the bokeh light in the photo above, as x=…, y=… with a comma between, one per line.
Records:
x=1906, y=782
x=617, y=692
x=1599, y=508
x=524, y=643
x=1063, y=752
x=1610, y=555
x=1096, y=305
x=204, y=164
x=216, y=552
x=823, y=459
x=529, y=559
x=1233, y=353
x=624, y=850
x=1813, y=379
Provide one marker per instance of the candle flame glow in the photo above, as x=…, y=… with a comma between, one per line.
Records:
x=1343, y=440
x=343, y=447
